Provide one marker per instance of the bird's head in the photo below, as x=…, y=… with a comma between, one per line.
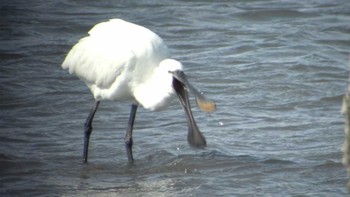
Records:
x=175, y=69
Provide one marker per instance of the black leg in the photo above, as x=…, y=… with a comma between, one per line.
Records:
x=88, y=130
x=128, y=136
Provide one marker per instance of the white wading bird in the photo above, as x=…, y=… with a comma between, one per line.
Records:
x=119, y=60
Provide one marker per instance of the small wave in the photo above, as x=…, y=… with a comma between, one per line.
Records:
x=277, y=161
x=258, y=15
x=329, y=164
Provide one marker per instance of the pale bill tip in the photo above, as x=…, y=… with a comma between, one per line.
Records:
x=206, y=106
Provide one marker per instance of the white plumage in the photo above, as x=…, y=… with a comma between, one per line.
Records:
x=119, y=60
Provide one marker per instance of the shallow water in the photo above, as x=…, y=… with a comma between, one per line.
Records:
x=276, y=69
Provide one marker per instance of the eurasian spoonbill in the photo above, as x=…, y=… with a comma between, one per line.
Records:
x=119, y=61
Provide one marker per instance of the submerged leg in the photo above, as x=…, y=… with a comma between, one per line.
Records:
x=128, y=136
x=88, y=130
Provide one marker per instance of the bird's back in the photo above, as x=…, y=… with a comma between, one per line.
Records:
x=113, y=50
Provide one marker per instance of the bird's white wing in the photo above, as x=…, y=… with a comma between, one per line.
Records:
x=110, y=48
x=98, y=61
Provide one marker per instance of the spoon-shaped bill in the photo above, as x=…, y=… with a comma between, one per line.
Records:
x=180, y=84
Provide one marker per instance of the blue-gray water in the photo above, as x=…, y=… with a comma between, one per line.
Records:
x=277, y=70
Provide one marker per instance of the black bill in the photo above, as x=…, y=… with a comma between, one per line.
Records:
x=180, y=84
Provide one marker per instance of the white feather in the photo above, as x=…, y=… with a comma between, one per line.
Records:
x=119, y=60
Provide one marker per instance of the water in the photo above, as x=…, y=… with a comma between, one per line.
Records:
x=277, y=70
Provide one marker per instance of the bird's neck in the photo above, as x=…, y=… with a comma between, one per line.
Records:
x=156, y=91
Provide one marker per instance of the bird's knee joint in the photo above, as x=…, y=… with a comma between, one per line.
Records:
x=128, y=141
x=88, y=129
